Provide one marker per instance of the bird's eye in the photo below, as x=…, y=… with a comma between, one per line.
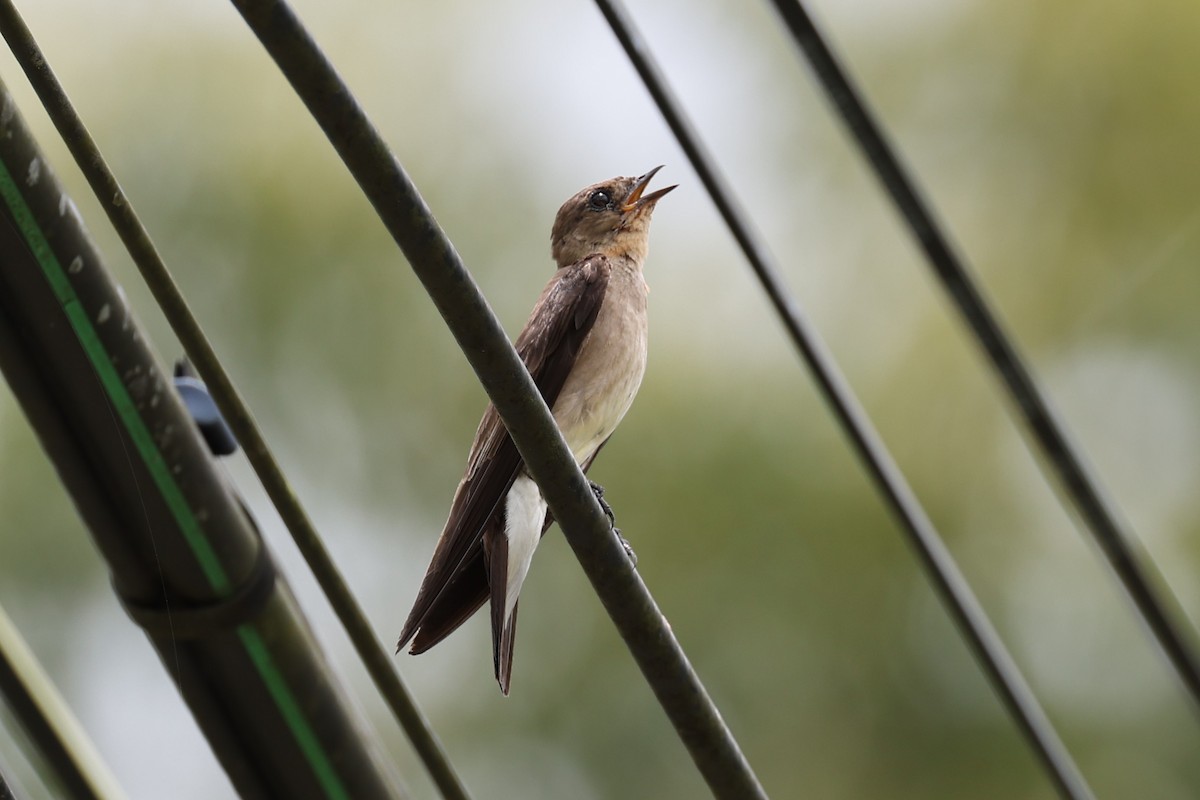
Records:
x=599, y=201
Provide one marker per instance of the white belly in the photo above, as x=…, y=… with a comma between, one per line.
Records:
x=596, y=395
x=608, y=370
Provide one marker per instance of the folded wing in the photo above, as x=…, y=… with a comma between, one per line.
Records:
x=455, y=585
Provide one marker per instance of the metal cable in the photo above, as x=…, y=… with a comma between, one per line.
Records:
x=137, y=240
x=1133, y=566
x=507, y=382
x=970, y=617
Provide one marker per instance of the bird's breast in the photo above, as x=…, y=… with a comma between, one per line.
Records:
x=608, y=369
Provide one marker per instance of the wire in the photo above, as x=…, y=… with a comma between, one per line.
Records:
x=137, y=240
x=49, y=722
x=970, y=617
x=507, y=382
x=1133, y=566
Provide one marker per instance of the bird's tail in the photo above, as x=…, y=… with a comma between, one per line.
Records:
x=503, y=633
x=504, y=625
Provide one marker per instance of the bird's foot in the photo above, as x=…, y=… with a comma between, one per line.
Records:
x=628, y=548
x=598, y=490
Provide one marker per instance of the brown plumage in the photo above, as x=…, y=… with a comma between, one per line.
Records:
x=585, y=347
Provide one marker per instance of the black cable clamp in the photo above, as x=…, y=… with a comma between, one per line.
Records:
x=179, y=620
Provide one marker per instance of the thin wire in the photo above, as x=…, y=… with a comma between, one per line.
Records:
x=507, y=382
x=137, y=240
x=970, y=617
x=47, y=719
x=1138, y=573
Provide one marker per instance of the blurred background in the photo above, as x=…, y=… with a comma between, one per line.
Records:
x=1057, y=140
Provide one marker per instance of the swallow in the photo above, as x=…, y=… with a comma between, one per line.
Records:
x=585, y=346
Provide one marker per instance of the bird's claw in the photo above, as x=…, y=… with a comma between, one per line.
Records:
x=628, y=548
x=598, y=490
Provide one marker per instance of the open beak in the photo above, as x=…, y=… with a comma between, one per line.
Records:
x=637, y=200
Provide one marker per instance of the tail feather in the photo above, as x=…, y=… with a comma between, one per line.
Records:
x=502, y=648
x=504, y=626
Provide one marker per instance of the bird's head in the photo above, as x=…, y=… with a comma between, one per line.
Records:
x=611, y=217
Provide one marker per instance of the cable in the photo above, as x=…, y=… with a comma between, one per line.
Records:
x=49, y=722
x=507, y=382
x=1133, y=566
x=970, y=617
x=137, y=240
x=172, y=532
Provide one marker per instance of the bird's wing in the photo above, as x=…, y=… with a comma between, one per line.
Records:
x=549, y=345
x=468, y=590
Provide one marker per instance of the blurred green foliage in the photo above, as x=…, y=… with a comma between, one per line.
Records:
x=1056, y=140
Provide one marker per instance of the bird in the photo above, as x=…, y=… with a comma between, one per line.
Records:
x=585, y=346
